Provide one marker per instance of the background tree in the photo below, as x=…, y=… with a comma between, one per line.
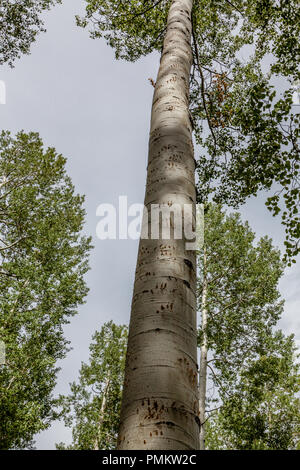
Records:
x=165, y=281
x=263, y=410
x=245, y=123
x=239, y=305
x=20, y=23
x=93, y=407
x=43, y=259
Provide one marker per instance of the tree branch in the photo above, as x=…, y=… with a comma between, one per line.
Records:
x=7, y=247
x=202, y=86
x=235, y=7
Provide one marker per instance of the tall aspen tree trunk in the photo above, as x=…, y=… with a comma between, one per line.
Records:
x=160, y=397
x=203, y=357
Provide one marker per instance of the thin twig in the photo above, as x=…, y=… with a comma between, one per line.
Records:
x=202, y=86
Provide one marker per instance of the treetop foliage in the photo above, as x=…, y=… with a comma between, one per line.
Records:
x=43, y=260
x=137, y=28
x=263, y=411
x=133, y=28
x=243, y=300
x=20, y=23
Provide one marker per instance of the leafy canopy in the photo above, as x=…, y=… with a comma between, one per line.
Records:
x=43, y=260
x=133, y=29
x=253, y=373
x=20, y=23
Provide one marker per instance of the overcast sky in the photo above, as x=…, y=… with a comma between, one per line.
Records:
x=96, y=112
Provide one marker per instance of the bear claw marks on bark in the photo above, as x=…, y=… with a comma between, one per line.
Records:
x=160, y=394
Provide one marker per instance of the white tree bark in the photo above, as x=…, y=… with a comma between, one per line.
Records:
x=160, y=398
x=203, y=357
x=101, y=414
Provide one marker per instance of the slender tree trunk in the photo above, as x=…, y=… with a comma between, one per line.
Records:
x=160, y=397
x=203, y=357
x=101, y=414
